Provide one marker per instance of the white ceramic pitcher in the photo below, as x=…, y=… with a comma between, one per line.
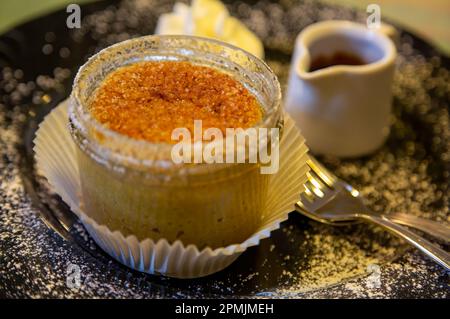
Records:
x=342, y=110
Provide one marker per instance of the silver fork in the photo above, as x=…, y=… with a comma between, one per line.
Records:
x=328, y=199
x=437, y=230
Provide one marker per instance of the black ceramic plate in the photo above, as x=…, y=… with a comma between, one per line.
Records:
x=303, y=258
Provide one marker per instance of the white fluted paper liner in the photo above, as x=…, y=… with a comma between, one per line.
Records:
x=55, y=159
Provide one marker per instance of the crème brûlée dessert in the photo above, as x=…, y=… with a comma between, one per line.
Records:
x=122, y=121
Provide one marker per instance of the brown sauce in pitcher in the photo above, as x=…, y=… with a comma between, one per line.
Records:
x=337, y=58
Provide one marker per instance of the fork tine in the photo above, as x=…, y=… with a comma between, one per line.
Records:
x=321, y=172
x=314, y=189
x=307, y=194
x=316, y=180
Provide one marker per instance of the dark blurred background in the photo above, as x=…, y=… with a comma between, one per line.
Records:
x=427, y=18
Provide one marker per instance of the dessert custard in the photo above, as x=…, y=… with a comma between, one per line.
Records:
x=146, y=101
x=125, y=103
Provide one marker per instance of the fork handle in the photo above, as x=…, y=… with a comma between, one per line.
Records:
x=439, y=255
x=430, y=227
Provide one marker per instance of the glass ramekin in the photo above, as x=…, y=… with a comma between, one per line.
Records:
x=133, y=186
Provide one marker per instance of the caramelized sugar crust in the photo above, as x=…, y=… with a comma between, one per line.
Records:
x=147, y=100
